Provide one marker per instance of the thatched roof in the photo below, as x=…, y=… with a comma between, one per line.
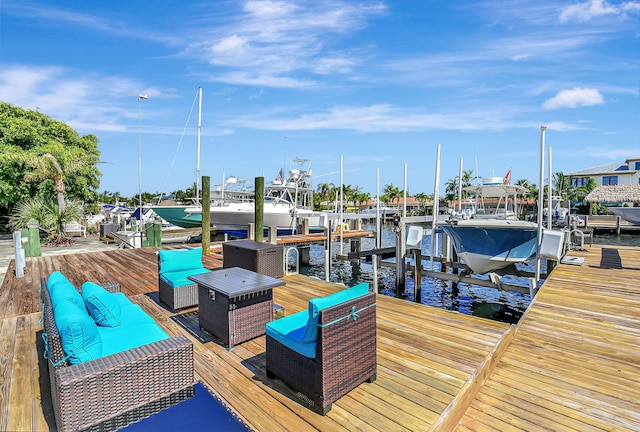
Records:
x=614, y=194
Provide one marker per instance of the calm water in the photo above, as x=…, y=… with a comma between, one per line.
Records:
x=489, y=303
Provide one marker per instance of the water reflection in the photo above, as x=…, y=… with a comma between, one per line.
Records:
x=489, y=303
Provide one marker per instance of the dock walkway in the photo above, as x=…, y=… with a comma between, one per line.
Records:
x=572, y=363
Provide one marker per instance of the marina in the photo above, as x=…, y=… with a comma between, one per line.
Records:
x=571, y=362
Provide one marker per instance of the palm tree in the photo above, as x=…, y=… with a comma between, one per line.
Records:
x=451, y=186
x=562, y=186
x=56, y=163
x=422, y=199
x=324, y=189
x=361, y=197
x=393, y=193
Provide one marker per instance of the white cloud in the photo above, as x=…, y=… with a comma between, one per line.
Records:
x=87, y=102
x=612, y=153
x=278, y=40
x=388, y=118
x=574, y=98
x=592, y=9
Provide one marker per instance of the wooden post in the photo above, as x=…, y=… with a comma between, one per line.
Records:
x=34, y=238
x=355, y=247
x=206, y=215
x=400, y=253
x=273, y=234
x=327, y=253
x=617, y=225
x=259, y=207
x=417, y=275
x=304, y=253
x=445, y=248
x=157, y=231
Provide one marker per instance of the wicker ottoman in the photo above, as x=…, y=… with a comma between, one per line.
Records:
x=264, y=258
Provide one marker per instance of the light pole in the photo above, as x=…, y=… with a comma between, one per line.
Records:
x=140, y=97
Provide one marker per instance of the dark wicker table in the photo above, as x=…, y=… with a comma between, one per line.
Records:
x=235, y=304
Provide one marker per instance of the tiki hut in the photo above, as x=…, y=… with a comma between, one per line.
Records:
x=614, y=194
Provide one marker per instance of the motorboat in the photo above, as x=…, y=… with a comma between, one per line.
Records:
x=630, y=214
x=287, y=201
x=559, y=214
x=487, y=245
x=489, y=236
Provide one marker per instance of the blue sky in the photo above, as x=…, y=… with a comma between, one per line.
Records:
x=381, y=83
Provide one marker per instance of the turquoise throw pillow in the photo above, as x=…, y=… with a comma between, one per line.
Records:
x=78, y=333
x=180, y=259
x=103, y=307
x=61, y=290
x=317, y=304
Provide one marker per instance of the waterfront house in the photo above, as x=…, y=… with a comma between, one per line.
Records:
x=627, y=173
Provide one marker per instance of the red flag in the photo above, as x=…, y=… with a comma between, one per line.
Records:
x=507, y=178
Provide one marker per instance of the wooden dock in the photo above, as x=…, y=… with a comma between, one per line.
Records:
x=572, y=363
x=610, y=224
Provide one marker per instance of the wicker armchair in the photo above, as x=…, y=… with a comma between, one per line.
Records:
x=186, y=294
x=345, y=355
x=119, y=389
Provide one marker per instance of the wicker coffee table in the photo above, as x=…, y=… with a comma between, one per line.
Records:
x=235, y=304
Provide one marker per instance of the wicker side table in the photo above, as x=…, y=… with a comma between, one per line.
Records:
x=235, y=304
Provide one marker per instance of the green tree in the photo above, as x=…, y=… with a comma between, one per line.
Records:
x=392, y=193
x=43, y=157
x=422, y=199
x=451, y=186
x=562, y=187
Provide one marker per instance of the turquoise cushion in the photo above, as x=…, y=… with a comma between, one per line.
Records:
x=177, y=279
x=131, y=313
x=122, y=299
x=180, y=259
x=61, y=290
x=78, y=333
x=123, y=338
x=317, y=304
x=289, y=331
x=103, y=307
x=55, y=277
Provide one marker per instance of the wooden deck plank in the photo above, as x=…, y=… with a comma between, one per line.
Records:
x=412, y=391
x=21, y=391
x=7, y=350
x=574, y=360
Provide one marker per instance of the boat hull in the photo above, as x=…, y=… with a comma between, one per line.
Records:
x=630, y=214
x=487, y=246
x=177, y=216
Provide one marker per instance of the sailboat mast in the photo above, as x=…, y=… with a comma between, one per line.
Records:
x=198, y=153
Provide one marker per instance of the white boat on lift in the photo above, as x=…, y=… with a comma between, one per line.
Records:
x=630, y=214
x=489, y=238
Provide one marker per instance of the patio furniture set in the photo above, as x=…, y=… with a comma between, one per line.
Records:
x=110, y=364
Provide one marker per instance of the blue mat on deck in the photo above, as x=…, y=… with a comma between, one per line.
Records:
x=199, y=413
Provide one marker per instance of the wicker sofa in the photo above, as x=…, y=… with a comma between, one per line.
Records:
x=327, y=351
x=107, y=392
x=174, y=266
